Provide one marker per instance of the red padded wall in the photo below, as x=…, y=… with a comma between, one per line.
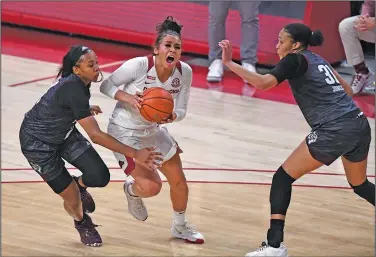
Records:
x=134, y=22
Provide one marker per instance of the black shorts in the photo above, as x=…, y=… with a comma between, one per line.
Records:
x=47, y=159
x=348, y=136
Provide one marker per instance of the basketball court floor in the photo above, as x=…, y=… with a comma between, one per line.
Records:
x=232, y=145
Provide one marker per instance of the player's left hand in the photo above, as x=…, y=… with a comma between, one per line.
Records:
x=226, y=51
x=169, y=119
x=95, y=110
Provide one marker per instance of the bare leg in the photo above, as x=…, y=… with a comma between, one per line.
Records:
x=72, y=201
x=173, y=171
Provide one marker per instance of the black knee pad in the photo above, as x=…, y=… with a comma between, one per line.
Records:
x=366, y=190
x=94, y=171
x=98, y=178
x=61, y=182
x=280, y=192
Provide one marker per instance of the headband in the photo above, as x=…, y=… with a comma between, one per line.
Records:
x=76, y=54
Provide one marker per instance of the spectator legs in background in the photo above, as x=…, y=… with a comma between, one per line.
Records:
x=364, y=79
x=249, y=11
x=218, y=11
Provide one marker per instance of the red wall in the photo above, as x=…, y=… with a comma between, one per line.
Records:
x=134, y=22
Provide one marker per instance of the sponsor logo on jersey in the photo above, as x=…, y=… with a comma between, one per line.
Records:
x=172, y=91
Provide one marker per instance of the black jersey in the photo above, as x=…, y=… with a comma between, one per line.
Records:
x=317, y=91
x=54, y=116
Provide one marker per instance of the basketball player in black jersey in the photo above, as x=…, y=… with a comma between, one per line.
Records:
x=48, y=135
x=339, y=128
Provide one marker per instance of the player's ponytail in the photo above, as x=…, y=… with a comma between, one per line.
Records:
x=300, y=32
x=168, y=27
x=316, y=38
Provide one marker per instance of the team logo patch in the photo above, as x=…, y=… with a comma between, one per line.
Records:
x=150, y=77
x=175, y=82
x=121, y=163
x=312, y=137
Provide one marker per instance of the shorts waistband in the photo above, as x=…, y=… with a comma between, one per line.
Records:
x=355, y=114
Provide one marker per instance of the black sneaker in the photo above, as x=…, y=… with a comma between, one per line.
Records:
x=89, y=235
x=87, y=200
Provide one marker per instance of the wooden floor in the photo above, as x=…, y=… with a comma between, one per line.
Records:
x=231, y=146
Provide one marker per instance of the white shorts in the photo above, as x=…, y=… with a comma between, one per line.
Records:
x=138, y=139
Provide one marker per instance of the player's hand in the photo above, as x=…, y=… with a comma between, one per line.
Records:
x=226, y=51
x=365, y=23
x=95, y=110
x=169, y=119
x=134, y=100
x=148, y=158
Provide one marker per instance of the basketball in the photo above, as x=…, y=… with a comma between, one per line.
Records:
x=158, y=104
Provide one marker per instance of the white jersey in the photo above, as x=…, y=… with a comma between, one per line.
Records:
x=139, y=74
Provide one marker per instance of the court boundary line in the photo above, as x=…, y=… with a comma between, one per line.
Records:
x=200, y=182
x=207, y=169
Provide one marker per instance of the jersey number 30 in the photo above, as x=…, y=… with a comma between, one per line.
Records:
x=330, y=77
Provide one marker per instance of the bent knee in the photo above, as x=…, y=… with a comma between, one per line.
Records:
x=346, y=25
x=100, y=178
x=151, y=187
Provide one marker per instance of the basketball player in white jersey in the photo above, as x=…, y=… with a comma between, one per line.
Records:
x=163, y=69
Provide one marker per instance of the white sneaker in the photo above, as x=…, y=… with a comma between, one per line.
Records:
x=266, y=250
x=345, y=64
x=361, y=81
x=215, y=73
x=136, y=206
x=187, y=232
x=371, y=89
x=249, y=67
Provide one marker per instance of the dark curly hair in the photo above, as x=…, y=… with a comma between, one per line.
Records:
x=168, y=27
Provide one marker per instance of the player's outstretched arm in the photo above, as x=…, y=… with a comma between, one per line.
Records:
x=259, y=81
x=146, y=156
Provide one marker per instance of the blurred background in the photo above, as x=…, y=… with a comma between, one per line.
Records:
x=121, y=30
x=233, y=136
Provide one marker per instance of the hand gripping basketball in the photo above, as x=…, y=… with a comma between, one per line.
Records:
x=157, y=105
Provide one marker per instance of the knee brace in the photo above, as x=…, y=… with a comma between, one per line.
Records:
x=280, y=192
x=366, y=190
x=99, y=178
x=61, y=182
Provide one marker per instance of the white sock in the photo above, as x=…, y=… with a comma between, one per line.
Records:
x=130, y=191
x=179, y=217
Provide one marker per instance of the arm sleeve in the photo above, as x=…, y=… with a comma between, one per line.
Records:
x=73, y=96
x=290, y=67
x=124, y=75
x=183, y=96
